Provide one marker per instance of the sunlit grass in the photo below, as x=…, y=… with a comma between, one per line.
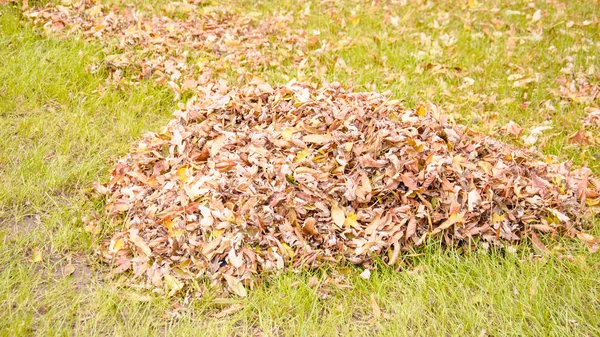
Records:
x=62, y=126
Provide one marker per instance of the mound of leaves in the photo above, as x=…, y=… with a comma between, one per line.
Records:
x=259, y=178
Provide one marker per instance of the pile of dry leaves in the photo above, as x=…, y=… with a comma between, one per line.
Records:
x=260, y=178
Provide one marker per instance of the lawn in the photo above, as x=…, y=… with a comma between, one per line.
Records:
x=65, y=120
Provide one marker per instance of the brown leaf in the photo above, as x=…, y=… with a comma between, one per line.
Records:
x=139, y=242
x=537, y=243
x=513, y=128
x=189, y=84
x=581, y=137
x=375, y=307
x=235, y=285
x=313, y=281
x=68, y=269
x=409, y=181
x=309, y=226
x=411, y=229
x=230, y=310
x=591, y=242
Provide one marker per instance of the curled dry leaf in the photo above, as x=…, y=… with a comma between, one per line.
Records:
x=230, y=310
x=592, y=117
x=375, y=307
x=582, y=137
x=68, y=269
x=513, y=128
x=290, y=181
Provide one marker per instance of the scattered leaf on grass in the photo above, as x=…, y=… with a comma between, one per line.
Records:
x=375, y=307
x=230, y=310
x=68, y=269
x=36, y=255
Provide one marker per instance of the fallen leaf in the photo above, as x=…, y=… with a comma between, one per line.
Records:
x=513, y=128
x=411, y=229
x=337, y=215
x=174, y=284
x=351, y=221
x=235, y=285
x=581, y=137
x=139, y=242
x=36, y=255
x=537, y=243
x=230, y=310
x=313, y=281
x=452, y=220
x=68, y=269
x=317, y=139
x=375, y=307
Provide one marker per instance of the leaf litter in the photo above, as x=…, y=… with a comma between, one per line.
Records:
x=258, y=178
x=183, y=47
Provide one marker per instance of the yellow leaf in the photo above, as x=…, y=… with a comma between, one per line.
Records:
x=301, y=155
x=497, y=218
x=182, y=174
x=421, y=112
x=169, y=226
x=486, y=167
x=173, y=283
x=453, y=219
x=118, y=245
x=185, y=264
x=36, y=255
x=288, y=133
x=592, y=202
x=351, y=221
x=287, y=250
x=235, y=285
x=217, y=232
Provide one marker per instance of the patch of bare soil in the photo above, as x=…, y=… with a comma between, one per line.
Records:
x=16, y=228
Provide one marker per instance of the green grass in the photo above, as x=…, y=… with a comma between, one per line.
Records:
x=61, y=127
